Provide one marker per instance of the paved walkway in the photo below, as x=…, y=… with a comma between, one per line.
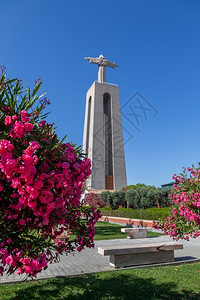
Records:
x=89, y=261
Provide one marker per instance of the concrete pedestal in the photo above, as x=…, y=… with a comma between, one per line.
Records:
x=128, y=260
x=135, y=233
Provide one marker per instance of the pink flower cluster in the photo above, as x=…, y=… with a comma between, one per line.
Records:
x=18, y=128
x=94, y=200
x=184, y=221
x=28, y=265
x=40, y=189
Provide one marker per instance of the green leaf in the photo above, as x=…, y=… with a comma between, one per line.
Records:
x=63, y=139
x=36, y=89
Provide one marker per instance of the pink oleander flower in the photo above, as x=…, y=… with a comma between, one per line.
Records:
x=28, y=127
x=34, y=145
x=19, y=271
x=22, y=222
x=28, y=269
x=42, y=123
x=8, y=120
x=18, y=130
x=9, y=241
x=24, y=116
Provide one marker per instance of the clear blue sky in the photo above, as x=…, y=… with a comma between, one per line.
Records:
x=156, y=44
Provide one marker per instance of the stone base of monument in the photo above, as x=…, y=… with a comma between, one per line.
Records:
x=146, y=254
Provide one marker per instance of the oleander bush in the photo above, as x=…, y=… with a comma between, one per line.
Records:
x=184, y=220
x=41, y=181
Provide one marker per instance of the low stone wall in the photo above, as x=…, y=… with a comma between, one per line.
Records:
x=127, y=222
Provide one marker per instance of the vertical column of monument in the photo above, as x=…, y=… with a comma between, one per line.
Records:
x=98, y=147
x=119, y=166
x=108, y=141
x=93, y=137
x=87, y=141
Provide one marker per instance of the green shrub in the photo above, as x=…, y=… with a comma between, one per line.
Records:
x=106, y=208
x=144, y=214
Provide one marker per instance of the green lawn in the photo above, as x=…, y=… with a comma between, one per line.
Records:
x=172, y=282
x=108, y=231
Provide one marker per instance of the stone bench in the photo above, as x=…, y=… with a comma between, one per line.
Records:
x=135, y=233
x=141, y=254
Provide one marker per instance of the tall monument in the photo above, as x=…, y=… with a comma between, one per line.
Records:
x=103, y=138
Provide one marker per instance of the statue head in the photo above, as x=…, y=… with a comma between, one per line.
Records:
x=101, y=56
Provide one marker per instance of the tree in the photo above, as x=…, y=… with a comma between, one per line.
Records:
x=114, y=199
x=105, y=196
x=118, y=199
x=184, y=221
x=133, y=198
x=145, y=196
x=133, y=186
x=41, y=181
x=122, y=198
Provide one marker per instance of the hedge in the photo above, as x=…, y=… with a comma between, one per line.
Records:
x=153, y=213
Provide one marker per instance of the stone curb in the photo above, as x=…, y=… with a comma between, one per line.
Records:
x=127, y=222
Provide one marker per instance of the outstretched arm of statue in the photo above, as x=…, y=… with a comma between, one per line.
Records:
x=110, y=64
x=92, y=60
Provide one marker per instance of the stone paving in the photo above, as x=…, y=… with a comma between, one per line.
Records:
x=89, y=261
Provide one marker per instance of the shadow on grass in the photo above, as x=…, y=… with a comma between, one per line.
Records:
x=119, y=286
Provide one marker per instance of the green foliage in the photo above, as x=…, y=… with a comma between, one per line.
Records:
x=118, y=198
x=144, y=214
x=114, y=199
x=104, y=196
x=142, y=197
x=133, y=198
x=138, y=185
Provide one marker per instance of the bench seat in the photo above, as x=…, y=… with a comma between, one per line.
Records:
x=133, y=255
x=135, y=233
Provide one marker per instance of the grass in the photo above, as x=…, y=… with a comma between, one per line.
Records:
x=172, y=282
x=108, y=231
